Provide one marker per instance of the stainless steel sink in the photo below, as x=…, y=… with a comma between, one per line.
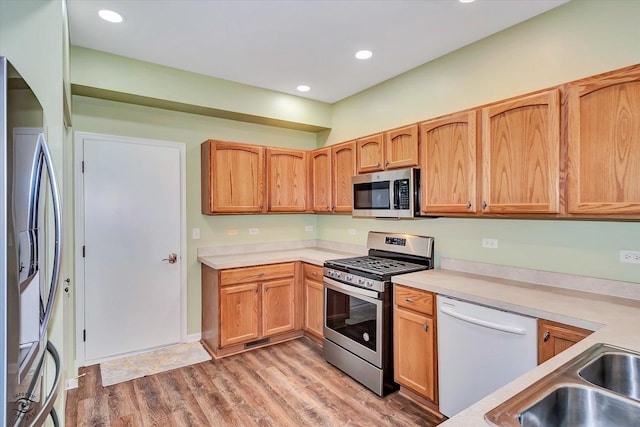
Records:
x=619, y=372
x=600, y=387
x=573, y=406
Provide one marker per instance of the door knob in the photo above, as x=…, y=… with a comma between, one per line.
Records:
x=173, y=258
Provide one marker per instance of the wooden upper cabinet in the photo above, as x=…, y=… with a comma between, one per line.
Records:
x=232, y=177
x=370, y=153
x=343, y=160
x=393, y=149
x=521, y=155
x=604, y=144
x=286, y=180
x=321, y=180
x=448, y=174
x=401, y=147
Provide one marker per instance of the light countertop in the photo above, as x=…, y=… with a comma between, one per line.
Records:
x=614, y=319
x=315, y=256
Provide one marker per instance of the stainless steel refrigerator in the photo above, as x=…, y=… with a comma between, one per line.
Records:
x=30, y=231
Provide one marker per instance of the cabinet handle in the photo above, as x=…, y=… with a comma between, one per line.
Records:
x=261, y=206
x=484, y=205
x=425, y=327
x=266, y=288
x=386, y=163
x=409, y=300
x=546, y=336
x=314, y=273
x=333, y=207
x=469, y=205
x=261, y=274
x=256, y=289
x=269, y=206
x=378, y=164
x=327, y=207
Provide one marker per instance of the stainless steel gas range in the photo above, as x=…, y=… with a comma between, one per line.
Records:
x=358, y=308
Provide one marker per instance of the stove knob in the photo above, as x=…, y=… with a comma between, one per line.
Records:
x=338, y=274
x=369, y=283
x=360, y=281
x=348, y=277
x=330, y=273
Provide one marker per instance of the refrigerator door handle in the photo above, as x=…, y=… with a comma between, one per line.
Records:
x=45, y=154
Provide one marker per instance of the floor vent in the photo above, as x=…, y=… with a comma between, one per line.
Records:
x=257, y=343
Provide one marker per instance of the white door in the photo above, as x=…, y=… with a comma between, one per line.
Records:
x=132, y=225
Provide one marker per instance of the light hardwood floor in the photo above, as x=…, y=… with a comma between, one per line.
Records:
x=288, y=384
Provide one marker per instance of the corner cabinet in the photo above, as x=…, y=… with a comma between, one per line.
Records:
x=604, y=145
x=448, y=175
x=229, y=165
x=343, y=160
x=331, y=171
x=521, y=155
x=414, y=341
x=554, y=338
x=287, y=189
x=248, y=307
x=321, y=180
x=393, y=149
x=313, y=300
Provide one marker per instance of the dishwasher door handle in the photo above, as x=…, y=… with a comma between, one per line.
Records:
x=484, y=323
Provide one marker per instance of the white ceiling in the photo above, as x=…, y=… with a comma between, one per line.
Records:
x=279, y=44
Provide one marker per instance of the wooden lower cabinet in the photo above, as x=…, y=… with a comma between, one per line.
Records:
x=243, y=305
x=313, y=300
x=554, y=338
x=414, y=342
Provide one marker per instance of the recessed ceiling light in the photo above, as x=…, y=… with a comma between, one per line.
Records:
x=110, y=16
x=364, y=54
x=303, y=88
x=466, y=1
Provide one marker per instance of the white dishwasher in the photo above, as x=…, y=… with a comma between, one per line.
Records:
x=480, y=349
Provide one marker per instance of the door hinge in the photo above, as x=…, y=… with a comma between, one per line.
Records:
x=84, y=252
x=84, y=335
x=83, y=166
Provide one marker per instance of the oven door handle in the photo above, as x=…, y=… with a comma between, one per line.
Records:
x=337, y=286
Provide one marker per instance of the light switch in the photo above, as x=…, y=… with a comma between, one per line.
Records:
x=195, y=233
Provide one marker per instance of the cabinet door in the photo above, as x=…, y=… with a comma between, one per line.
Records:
x=321, y=180
x=286, y=180
x=604, y=144
x=401, y=147
x=370, y=153
x=448, y=174
x=239, y=319
x=554, y=338
x=227, y=166
x=277, y=306
x=314, y=307
x=521, y=155
x=343, y=159
x=414, y=352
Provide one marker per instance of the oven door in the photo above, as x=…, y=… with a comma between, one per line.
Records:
x=353, y=319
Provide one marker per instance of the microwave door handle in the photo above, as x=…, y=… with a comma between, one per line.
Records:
x=396, y=194
x=43, y=149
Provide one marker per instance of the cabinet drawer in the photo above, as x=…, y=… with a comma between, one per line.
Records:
x=413, y=299
x=313, y=272
x=256, y=274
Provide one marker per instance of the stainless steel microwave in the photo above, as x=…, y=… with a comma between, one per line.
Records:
x=387, y=194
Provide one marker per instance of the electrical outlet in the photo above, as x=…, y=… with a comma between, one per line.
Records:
x=630, y=257
x=490, y=243
x=254, y=231
x=232, y=232
x=195, y=234
x=308, y=228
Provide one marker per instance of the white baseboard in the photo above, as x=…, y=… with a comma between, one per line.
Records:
x=194, y=337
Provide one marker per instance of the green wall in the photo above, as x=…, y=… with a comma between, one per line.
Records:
x=578, y=39
x=116, y=118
